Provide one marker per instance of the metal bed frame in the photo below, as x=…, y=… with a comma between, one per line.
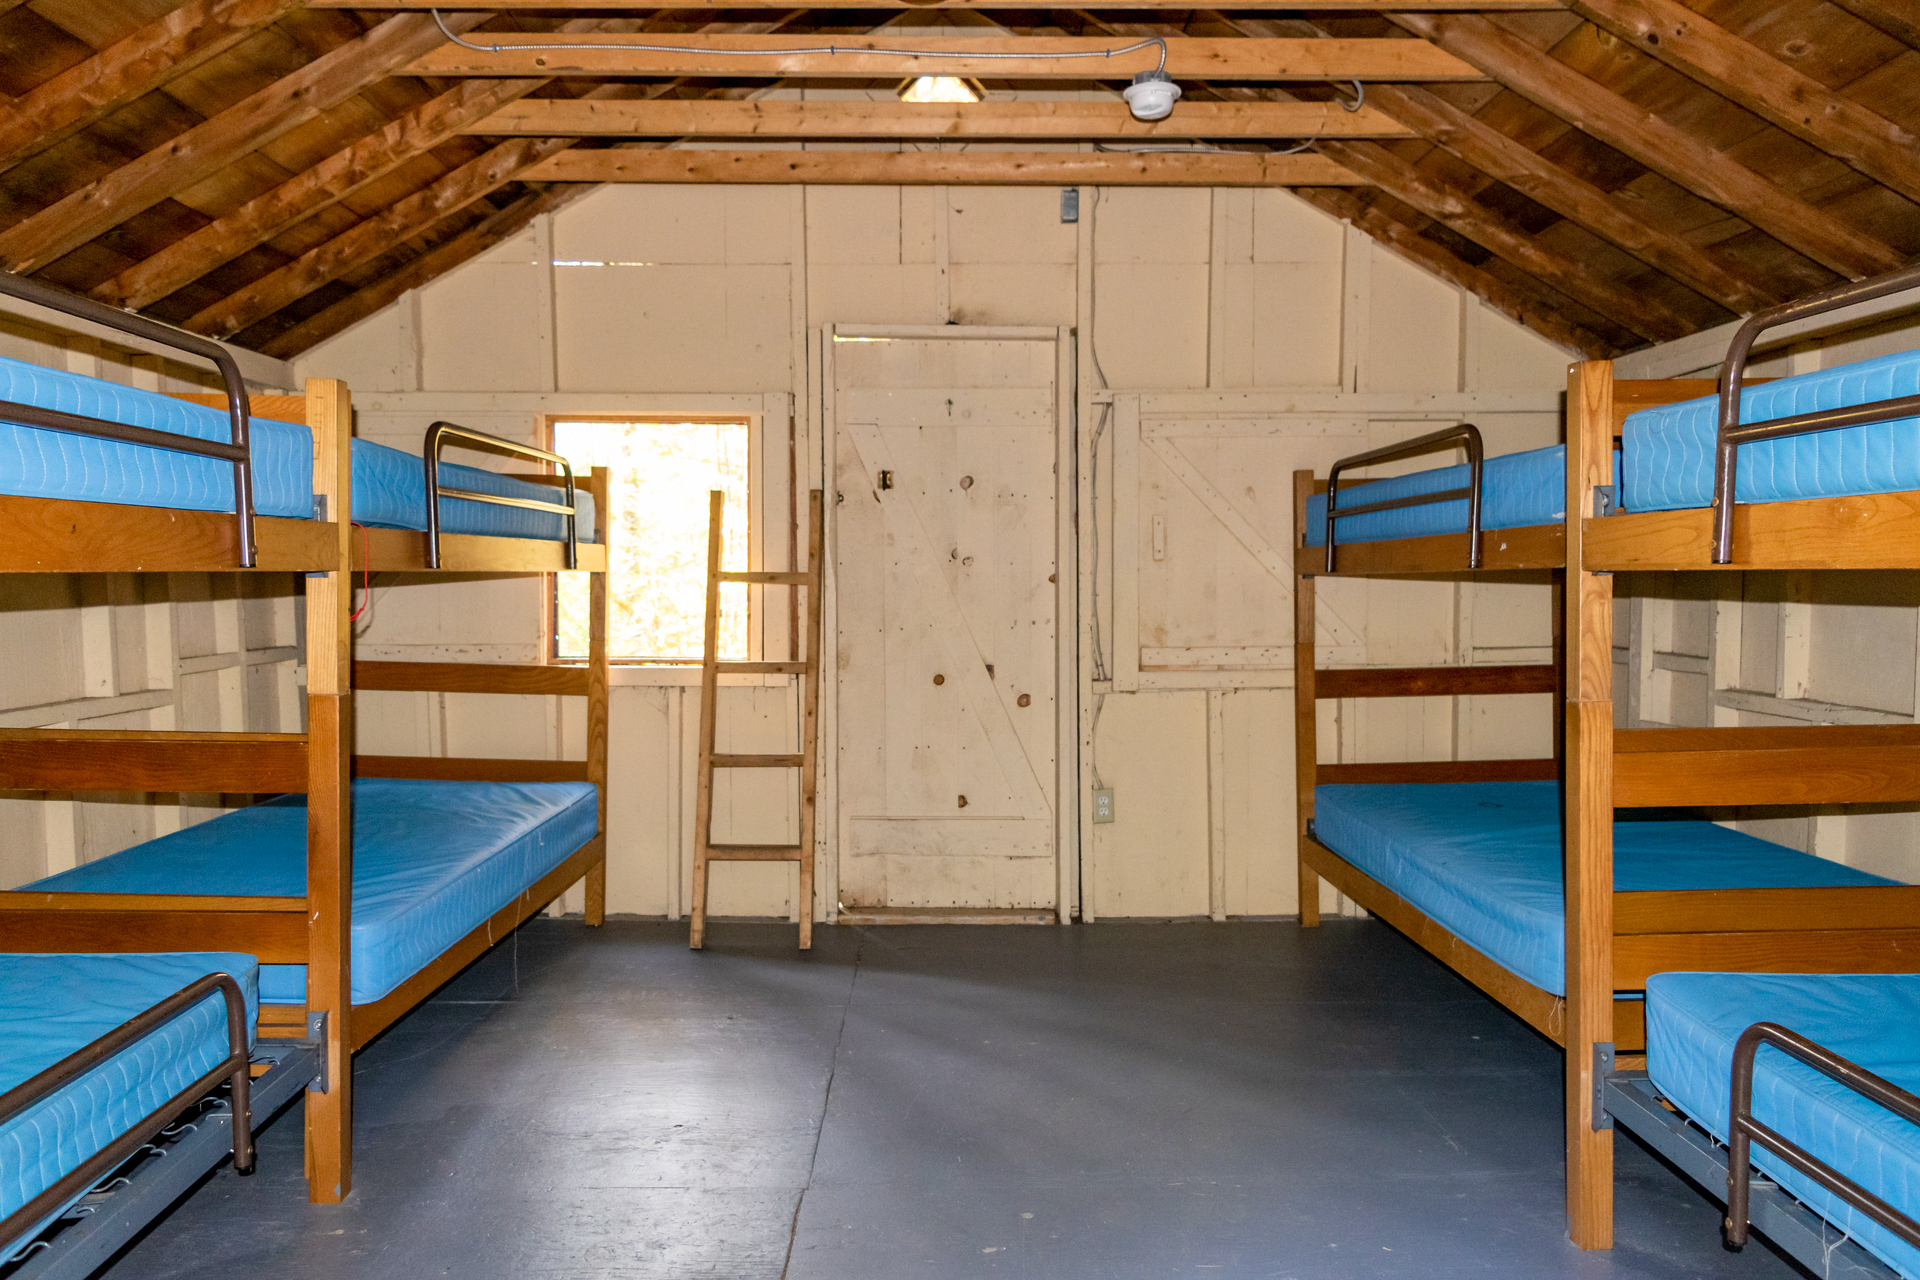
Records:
x=1464, y=433
x=1631, y=1099
x=238, y=450
x=1733, y=433
x=438, y=436
x=133, y=1179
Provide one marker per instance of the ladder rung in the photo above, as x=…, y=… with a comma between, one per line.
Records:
x=763, y=668
x=770, y=579
x=754, y=853
x=758, y=762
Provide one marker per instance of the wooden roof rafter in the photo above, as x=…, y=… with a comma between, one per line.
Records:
x=1599, y=187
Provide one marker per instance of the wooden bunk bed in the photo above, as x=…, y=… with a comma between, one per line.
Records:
x=43, y=534
x=434, y=552
x=1613, y=939
x=1531, y=549
x=1618, y=940
x=313, y=928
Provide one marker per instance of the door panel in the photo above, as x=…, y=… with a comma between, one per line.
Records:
x=944, y=559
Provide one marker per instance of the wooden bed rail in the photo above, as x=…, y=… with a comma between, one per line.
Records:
x=1544, y=769
x=461, y=677
x=470, y=769
x=1433, y=682
x=139, y=760
x=1811, y=764
x=274, y=929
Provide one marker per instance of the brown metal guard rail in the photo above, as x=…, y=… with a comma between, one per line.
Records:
x=238, y=450
x=85, y=1059
x=1465, y=433
x=1733, y=433
x=437, y=436
x=1743, y=1130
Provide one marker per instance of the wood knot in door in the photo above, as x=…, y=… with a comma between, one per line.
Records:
x=963, y=802
x=939, y=679
x=1026, y=699
x=966, y=482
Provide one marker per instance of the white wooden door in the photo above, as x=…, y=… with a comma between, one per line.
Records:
x=946, y=590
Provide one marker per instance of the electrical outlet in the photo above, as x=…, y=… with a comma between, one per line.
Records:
x=1103, y=805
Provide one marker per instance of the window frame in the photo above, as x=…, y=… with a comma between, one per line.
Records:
x=757, y=622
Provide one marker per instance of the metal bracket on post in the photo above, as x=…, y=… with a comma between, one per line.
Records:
x=1602, y=1068
x=317, y=1033
x=1602, y=500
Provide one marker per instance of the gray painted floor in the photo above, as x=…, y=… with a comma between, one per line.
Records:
x=1240, y=1100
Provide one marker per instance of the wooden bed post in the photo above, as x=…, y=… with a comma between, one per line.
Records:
x=597, y=696
x=1306, y=737
x=1589, y=809
x=330, y=801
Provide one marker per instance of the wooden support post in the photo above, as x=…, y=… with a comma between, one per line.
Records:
x=1588, y=637
x=330, y=803
x=806, y=760
x=1306, y=737
x=597, y=695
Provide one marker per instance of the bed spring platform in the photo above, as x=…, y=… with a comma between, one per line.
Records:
x=432, y=861
x=52, y=1006
x=1873, y=1020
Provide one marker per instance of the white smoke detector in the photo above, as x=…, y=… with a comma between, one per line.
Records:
x=1151, y=95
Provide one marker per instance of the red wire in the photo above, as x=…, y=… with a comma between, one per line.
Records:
x=366, y=582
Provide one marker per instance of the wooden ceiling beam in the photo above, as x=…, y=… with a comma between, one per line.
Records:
x=1422, y=252
x=166, y=48
x=429, y=266
x=1779, y=94
x=308, y=192
x=251, y=123
x=1446, y=204
x=1317, y=6
x=1666, y=149
x=1500, y=157
x=372, y=237
x=948, y=168
x=1898, y=18
x=999, y=57
x=714, y=118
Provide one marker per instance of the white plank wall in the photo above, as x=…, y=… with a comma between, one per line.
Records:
x=1224, y=338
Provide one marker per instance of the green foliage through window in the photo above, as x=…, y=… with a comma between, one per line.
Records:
x=657, y=547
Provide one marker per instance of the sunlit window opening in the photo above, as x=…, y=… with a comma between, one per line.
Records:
x=657, y=544
x=939, y=89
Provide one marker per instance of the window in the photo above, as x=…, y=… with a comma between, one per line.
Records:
x=657, y=539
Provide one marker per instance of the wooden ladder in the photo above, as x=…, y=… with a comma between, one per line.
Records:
x=806, y=760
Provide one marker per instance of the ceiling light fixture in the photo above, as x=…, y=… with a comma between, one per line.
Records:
x=1150, y=97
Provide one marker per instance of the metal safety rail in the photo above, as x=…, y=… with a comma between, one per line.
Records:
x=1733, y=433
x=1635, y=1105
x=168, y=1163
x=237, y=450
x=1743, y=1130
x=1465, y=433
x=86, y=1058
x=437, y=437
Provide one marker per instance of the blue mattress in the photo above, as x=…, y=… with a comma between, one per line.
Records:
x=390, y=492
x=1693, y=1020
x=1517, y=490
x=1484, y=859
x=389, y=488
x=431, y=861
x=52, y=1005
x=1669, y=449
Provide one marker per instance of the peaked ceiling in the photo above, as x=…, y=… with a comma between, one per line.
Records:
x=1613, y=173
